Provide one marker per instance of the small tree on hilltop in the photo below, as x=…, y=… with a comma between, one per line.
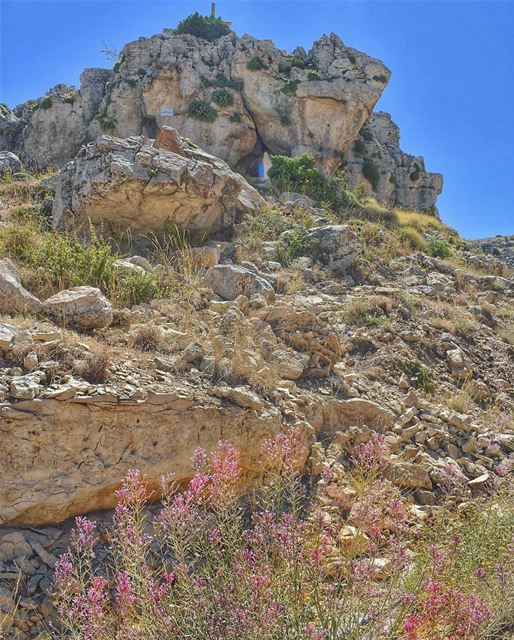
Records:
x=206, y=27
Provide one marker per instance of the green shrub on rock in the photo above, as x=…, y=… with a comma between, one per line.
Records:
x=370, y=172
x=223, y=98
x=439, y=248
x=205, y=27
x=255, y=64
x=200, y=110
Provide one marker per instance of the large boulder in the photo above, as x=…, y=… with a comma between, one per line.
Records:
x=335, y=246
x=138, y=184
x=13, y=297
x=230, y=281
x=9, y=162
x=236, y=97
x=80, y=307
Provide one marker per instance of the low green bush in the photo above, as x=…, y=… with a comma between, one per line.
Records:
x=235, y=117
x=439, y=248
x=371, y=173
x=366, y=134
x=299, y=175
x=205, y=27
x=222, y=98
x=200, y=110
x=290, y=87
x=299, y=63
x=45, y=103
x=422, y=377
x=359, y=148
x=380, y=78
x=313, y=75
x=256, y=64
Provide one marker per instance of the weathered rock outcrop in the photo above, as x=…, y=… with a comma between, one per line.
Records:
x=236, y=97
x=13, y=297
x=392, y=176
x=135, y=183
x=61, y=458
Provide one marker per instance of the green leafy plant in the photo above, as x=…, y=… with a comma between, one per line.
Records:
x=422, y=377
x=235, y=117
x=223, y=98
x=380, y=78
x=200, y=110
x=206, y=27
x=366, y=134
x=290, y=87
x=439, y=248
x=371, y=173
x=415, y=175
x=299, y=63
x=359, y=148
x=313, y=75
x=45, y=103
x=256, y=64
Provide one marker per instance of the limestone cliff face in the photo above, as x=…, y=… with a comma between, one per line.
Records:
x=236, y=97
x=392, y=176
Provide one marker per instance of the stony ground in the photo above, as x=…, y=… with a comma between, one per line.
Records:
x=357, y=335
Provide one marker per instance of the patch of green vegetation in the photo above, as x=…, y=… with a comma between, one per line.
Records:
x=366, y=134
x=299, y=63
x=45, y=103
x=371, y=173
x=223, y=98
x=380, y=78
x=200, y=110
x=206, y=27
x=415, y=175
x=290, y=87
x=422, y=377
x=4, y=109
x=359, y=148
x=313, y=76
x=236, y=117
x=221, y=82
x=105, y=123
x=352, y=59
x=55, y=260
x=256, y=64
x=393, y=180
x=292, y=245
x=153, y=172
x=439, y=248
x=141, y=73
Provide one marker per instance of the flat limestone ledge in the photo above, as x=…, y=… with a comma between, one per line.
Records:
x=64, y=458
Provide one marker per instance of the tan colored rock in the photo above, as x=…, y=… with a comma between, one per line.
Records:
x=62, y=458
x=133, y=184
x=13, y=297
x=80, y=307
x=352, y=541
x=230, y=281
x=408, y=475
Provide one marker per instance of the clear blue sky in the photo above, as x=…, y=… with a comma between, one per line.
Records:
x=452, y=89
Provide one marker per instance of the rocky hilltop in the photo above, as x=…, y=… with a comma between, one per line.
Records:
x=238, y=98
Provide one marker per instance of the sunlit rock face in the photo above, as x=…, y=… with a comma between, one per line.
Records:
x=236, y=97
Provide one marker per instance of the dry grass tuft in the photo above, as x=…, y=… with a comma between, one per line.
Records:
x=94, y=368
x=147, y=338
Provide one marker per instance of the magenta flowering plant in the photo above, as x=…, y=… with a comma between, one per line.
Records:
x=213, y=565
